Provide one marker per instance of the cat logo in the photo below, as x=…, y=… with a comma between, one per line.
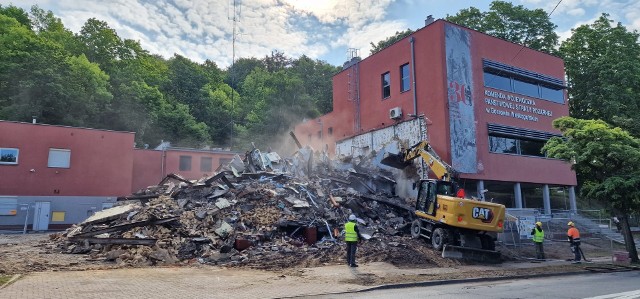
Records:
x=484, y=214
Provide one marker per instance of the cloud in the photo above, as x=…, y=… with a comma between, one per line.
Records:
x=203, y=29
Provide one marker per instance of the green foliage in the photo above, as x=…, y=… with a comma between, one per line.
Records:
x=96, y=79
x=16, y=13
x=604, y=73
x=375, y=48
x=531, y=28
x=607, y=158
x=241, y=69
x=102, y=43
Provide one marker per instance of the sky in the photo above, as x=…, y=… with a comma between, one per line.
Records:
x=320, y=29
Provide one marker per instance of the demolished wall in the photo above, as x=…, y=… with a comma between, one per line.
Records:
x=391, y=139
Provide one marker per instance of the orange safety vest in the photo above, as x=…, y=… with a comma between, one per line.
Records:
x=574, y=233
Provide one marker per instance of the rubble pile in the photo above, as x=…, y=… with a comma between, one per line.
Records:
x=254, y=213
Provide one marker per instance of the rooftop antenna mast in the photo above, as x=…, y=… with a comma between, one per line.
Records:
x=234, y=16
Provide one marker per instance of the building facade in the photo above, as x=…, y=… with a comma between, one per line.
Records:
x=55, y=176
x=488, y=106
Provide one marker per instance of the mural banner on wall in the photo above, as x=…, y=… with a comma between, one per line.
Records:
x=462, y=122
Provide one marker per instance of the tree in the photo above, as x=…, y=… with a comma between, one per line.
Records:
x=608, y=160
x=47, y=26
x=603, y=68
x=316, y=78
x=103, y=45
x=531, y=28
x=237, y=72
x=17, y=13
x=276, y=62
x=86, y=96
x=375, y=48
x=31, y=74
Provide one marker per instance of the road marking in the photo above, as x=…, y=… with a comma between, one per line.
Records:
x=626, y=295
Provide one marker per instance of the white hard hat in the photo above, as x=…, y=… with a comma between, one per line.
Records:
x=352, y=217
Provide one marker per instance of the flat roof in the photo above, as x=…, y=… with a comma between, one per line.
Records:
x=62, y=126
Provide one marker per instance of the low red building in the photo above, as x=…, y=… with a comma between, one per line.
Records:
x=150, y=166
x=54, y=176
x=488, y=105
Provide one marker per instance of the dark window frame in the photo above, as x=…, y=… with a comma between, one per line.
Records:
x=385, y=80
x=405, y=80
x=524, y=140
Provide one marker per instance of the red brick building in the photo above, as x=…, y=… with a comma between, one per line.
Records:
x=488, y=104
x=53, y=176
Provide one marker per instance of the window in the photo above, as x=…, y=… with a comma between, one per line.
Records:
x=185, y=163
x=502, y=145
x=330, y=131
x=9, y=156
x=59, y=158
x=206, y=163
x=555, y=95
x=386, y=85
x=517, y=141
x=497, y=81
x=516, y=145
x=524, y=82
x=405, y=83
x=526, y=88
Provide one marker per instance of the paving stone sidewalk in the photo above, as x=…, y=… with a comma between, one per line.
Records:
x=214, y=282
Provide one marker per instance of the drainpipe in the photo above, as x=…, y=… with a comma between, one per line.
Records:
x=413, y=76
x=162, y=162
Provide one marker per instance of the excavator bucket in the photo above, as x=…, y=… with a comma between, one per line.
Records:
x=395, y=161
x=471, y=254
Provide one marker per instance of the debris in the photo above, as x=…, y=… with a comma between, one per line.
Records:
x=258, y=211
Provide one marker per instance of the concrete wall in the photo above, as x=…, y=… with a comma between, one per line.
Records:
x=75, y=208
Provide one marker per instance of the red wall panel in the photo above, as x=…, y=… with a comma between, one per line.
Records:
x=101, y=161
x=147, y=169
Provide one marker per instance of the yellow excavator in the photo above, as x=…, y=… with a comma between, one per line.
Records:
x=462, y=228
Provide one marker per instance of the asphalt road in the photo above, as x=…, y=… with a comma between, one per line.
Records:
x=619, y=285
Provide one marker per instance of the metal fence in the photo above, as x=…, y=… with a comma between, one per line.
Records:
x=27, y=208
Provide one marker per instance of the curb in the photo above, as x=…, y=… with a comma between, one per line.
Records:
x=452, y=281
x=467, y=280
x=12, y=280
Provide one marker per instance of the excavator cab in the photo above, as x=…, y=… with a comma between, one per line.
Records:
x=427, y=194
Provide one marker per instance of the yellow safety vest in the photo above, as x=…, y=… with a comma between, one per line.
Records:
x=538, y=236
x=350, y=234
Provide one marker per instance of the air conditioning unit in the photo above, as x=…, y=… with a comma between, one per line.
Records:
x=395, y=113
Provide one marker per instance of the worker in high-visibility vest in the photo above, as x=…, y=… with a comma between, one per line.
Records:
x=538, y=239
x=573, y=234
x=351, y=237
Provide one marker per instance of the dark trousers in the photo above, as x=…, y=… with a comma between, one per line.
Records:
x=351, y=252
x=575, y=247
x=539, y=251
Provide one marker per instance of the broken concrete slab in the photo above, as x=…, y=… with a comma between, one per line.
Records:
x=109, y=214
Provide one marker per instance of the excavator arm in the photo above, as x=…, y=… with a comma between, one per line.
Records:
x=422, y=149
